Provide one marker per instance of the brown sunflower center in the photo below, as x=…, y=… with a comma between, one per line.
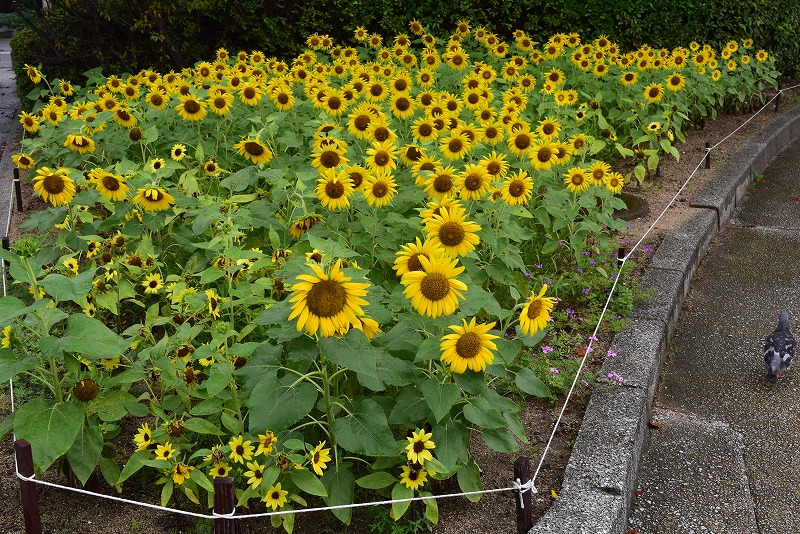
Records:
x=455, y=145
x=283, y=98
x=516, y=188
x=468, y=345
x=426, y=99
x=249, y=92
x=451, y=234
x=123, y=115
x=653, y=92
x=425, y=129
x=414, y=263
x=376, y=89
x=334, y=102
x=577, y=179
x=110, y=183
x=402, y=104
x=334, y=189
x=400, y=84
x=522, y=141
x=548, y=128
x=435, y=286
x=191, y=106
x=220, y=103
x=53, y=184
x=535, y=309
x=544, y=154
x=554, y=77
x=443, y=183
x=361, y=122
x=598, y=174
x=253, y=148
x=316, y=457
x=419, y=446
x=382, y=133
x=380, y=189
x=473, y=182
x=326, y=298
x=381, y=158
x=329, y=159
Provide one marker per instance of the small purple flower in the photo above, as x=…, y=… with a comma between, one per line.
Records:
x=585, y=252
x=611, y=353
x=570, y=313
x=580, y=271
x=613, y=254
x=547, y=349
x=585, y=383
x=628, y=226
x=538, y=265
x=560, y=243
x=593, y=337
x=648, y=249
x=548, y=281
x=558, y=299
x=554, y=370
x=528, y=275
x=585, y=290
x=505, y=334
x=592, y=263
x=613, y=277
x=615, y=378
x=617, y=317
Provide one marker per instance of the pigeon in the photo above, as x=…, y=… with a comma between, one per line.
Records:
x=779, y=349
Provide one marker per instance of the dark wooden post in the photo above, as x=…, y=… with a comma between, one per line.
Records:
x=28, y=491
x=522, y=473
x=224, y=503
x=18, y=191
x=708, y=155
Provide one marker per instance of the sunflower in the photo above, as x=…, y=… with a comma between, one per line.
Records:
x=329, y=155
x=54, y=186
x=474, y=182
x=455, y=146
x=419, y=446
x=53, y=114
x=29, y=122
x=220, y=469
x=164, y=451
x=334, y=189
x=109, y=185
x=413, y=478
x=598, y=172
x=23, y=160
x=536, y=313
x=676, y=81
x=33, y=73
x=275, y=497
x=156, y=164
x=495, y=164
x=548, y=128
x=282, y=97
x=653, y=92
x=614, y=182
x=152, y=284
x=320, y=456
x=402, y=106
x=253, y=150
x=408, y=256
x=441, y=184
x=178, y=152
x=379, y=132
x=333, y=102
x=543, y=155
x=453, y=232
x=143, y=437
x=520, y=141
x=435, y=290
x=518, y=188
x=326, y=302
x=761, y=56
x=123, y=116
x=577, y=179
x=379, y=189
x=153, y=198
x=470, y=347
x=220, y=103
x=381, y=156
x=241, y=450
x=191, y=108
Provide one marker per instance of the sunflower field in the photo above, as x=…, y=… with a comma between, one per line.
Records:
x=312, y=276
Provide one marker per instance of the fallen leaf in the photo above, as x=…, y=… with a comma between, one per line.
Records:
x=633, y=532
x=653, y=424
x=581, y=351
x=553, y=494
x=639, y=492
x=794, y=197
x=750, y=225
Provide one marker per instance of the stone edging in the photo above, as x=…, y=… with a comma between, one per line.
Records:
x=601, y=474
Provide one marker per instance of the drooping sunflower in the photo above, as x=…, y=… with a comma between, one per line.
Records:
x=124, y=117
x=474, y=182
x=109, y=185
x=379, y=189
x=33, y=73
x=453, y=232
x=191, y=108
x=153, y=198
x=334, y=189
x=470, y=346
x=434, y=291
x=23, y=160
x=419, y=446
x=254, y=150
x=326, y=302
x=518, y=188
x=55, y=186
x=320, y=456
x=577, y=179
x=653, y=92
x=536, y=313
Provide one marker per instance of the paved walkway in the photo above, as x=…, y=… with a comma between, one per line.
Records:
x=9, y=132
x=724, y=453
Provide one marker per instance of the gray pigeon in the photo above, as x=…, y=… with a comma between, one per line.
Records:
x=779, y=349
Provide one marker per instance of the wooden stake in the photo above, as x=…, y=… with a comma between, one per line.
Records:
x=28, y=490
x=522, y=473
x=225, y=503
x=18, y=191
x=708, y=155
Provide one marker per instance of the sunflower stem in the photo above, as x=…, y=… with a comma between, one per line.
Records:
x=56, y=380
x=326, y=386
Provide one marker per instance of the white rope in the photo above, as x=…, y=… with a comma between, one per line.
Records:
x=516, y=485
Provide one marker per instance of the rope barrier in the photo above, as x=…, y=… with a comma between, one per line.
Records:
x=516, y=485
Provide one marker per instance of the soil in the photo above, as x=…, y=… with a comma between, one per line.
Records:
x=66, y=512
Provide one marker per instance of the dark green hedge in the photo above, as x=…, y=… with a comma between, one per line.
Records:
x=128, y=35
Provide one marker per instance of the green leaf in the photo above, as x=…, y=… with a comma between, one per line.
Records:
x=110, y=471
x=10, y=307
x=527, y=381
x=440, y=397
x=49, y=427
x=469, y=479
x=112, y=405
x=639, y=172
x=276, y=314
x=409, y=408
x=477, y=298
x=85, y=452
x=431, y=508
x=240, y=180
x=365, y=431
x=91, y=338
x=452, y=443
x=400, y=491
x=484, y=418
x=6, y=425
x=63, y=288
x=135, y=462
x=430, y=349
x=202, y=426
x=199, y=478
x=306, y=481
x=277, y=405
x=340, y=486
x=10, y=367
x=597, y=146
x=355, y=352
x=378, y=480
x=166, y=492
x=624, y=151
x=499, y=440
x=218, y=379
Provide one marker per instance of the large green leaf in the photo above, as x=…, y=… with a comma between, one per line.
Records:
x=469, y=480
x=500, y=440
x=452, y=443
x=355, y=352
x=306, y=481
x=49, y=427
x=340, y=485
x=365, y=430
x=135, y=462
x=409, y=408
x=277, y=404
x=12, y=307
x=91, y=338
x=85, y=452
x=11, y=367
x=377, y=480
x=527, y=381
x=63, y=288
x=202, y=426
x=400, y=491
x=440, y=397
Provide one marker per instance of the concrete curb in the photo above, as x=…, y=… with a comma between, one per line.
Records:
x=600, y=478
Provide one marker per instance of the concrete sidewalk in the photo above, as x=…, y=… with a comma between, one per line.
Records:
x=9, y=132
x=715, y=444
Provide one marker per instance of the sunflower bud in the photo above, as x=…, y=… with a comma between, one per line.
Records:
x=176, y=429
x=135, y=134
x=86, y=390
